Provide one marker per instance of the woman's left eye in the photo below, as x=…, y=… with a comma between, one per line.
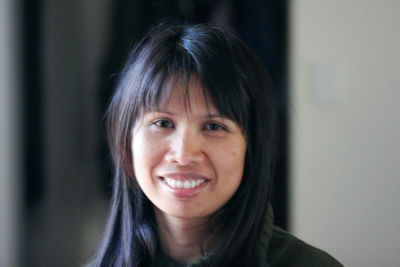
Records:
x=212, y=126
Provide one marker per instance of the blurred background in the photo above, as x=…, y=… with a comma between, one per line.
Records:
x=335, y=66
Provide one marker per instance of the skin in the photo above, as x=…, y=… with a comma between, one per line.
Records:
x=183, y=142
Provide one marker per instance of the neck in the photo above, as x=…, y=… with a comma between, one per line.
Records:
x=183, y=239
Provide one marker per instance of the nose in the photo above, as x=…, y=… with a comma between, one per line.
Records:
x=185, y=148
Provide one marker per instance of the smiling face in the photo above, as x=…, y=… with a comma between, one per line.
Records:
x=188, y=160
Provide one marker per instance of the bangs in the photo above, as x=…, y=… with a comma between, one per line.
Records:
x=229, y=98
x=163, y=62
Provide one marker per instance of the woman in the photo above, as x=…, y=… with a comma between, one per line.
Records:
x=191, y=128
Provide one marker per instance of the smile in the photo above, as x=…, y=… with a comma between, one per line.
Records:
x=188, y=184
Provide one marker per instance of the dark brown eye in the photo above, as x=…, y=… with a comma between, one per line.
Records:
x=164, y=124
x=212, y=126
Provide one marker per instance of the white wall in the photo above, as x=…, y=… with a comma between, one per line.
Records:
x=9, y=135
x=345, y=128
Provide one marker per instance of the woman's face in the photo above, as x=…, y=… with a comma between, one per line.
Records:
x=188, y=160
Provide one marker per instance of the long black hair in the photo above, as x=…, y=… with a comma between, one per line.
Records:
x=240, y=88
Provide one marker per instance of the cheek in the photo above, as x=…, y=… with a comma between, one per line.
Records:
x=229, y=162
x=146, y=153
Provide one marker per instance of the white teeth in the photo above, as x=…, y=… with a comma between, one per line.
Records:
x=179, y=184
x=188, y=184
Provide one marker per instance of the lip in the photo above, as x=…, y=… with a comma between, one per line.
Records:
x=184, y=176
x=183, y=193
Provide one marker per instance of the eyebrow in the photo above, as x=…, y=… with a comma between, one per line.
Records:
x=209, y=115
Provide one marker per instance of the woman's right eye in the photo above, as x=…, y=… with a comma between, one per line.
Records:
x=163, y=123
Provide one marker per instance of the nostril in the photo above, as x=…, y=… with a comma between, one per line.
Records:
x=184, y=157
x=185, y=149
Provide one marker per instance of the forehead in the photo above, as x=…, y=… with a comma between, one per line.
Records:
x=188, y=94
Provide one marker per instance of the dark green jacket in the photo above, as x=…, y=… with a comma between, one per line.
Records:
x=275, y=247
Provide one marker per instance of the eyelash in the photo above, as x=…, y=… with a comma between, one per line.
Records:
x=214, y=126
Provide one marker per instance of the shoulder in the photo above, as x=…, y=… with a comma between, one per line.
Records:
x=285, y=250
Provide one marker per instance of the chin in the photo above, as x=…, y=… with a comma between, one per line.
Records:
x=188, y=213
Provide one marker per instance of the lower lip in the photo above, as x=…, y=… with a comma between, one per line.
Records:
x=183, y=193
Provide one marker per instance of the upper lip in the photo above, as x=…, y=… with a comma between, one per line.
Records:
x=184, y=176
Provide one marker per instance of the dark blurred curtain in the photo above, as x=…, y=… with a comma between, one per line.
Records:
x=261, y=23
